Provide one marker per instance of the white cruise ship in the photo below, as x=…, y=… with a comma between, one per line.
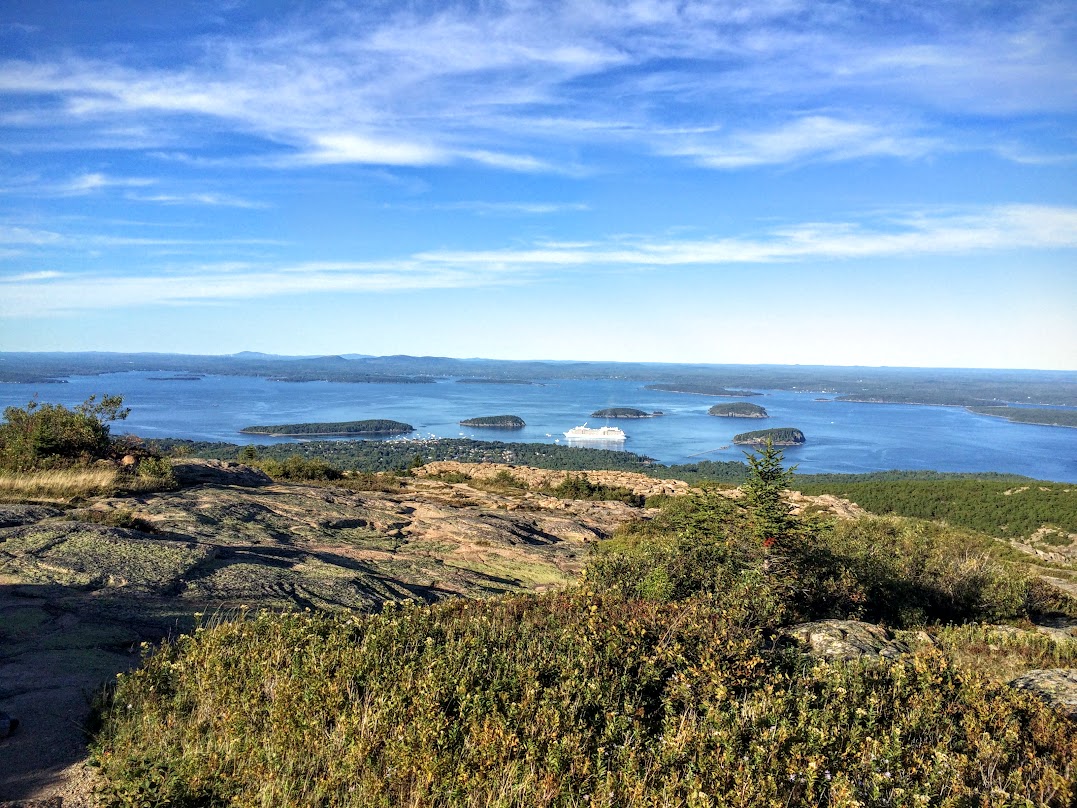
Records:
x=585, y=432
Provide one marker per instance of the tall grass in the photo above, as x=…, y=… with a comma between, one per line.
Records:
x=81, y=482
x=59, y=485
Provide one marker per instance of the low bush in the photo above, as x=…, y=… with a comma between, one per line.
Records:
x=371, y=481
x=114, y=518
x=298, y=468
x=655, y=682
x=577, y=486
x=157, y=470
x=562, y=700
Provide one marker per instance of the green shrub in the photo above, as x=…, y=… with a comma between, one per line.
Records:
x=913, y=572
x=451, y=477
x=577, y=486
x=45, y=436
x=371, y=481
x=298, y=468
x=157, y=469
x=563, y=700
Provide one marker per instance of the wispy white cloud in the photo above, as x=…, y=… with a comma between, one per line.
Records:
x=505, y=208
x=24, y=277
x=207, y=199
x=8, y=28
x=96, y=181
x=1005, y=228
x=813, y=137
x=456, y=83
x=29, y=236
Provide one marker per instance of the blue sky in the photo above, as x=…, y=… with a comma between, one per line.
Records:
x=790, y=181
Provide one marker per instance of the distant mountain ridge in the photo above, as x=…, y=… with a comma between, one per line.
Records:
x=962, y=387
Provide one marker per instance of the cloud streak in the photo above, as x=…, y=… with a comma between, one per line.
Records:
x=1000, y=229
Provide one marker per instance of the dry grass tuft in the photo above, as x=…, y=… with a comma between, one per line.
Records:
x=57, y=485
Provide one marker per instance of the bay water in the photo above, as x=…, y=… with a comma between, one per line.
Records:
x=842, y=437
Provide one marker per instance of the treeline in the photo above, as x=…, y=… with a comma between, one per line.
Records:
x=369, y=455
x=1031, y=415
x=702, y=389
x=1004, y=508
x=373, y=426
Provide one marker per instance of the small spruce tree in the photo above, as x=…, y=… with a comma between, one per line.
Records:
x=767, y=479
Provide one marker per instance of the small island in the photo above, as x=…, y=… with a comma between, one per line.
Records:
x=738, y=409
x=496, y=422
x=376, y=426
x=624, y=412
x=785, y=436
x=701, y=389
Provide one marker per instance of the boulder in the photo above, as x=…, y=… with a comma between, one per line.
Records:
x=23, y=514
x=843, y=639
x=196, y=471
x=1056, y=686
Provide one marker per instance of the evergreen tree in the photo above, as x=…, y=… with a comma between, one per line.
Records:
x=767, y=479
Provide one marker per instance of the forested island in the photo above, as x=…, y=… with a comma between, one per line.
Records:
x=624, y=412
x=783, y=436
x=496, y=422
x=702, y=389
x=738, y=409
x=375, y=426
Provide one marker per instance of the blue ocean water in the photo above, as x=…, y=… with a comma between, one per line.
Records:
x=842, y=437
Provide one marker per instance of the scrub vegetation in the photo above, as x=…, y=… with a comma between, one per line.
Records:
x=659, y=679
x=50, y=452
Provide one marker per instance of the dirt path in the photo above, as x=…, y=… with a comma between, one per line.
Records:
x=48, y=683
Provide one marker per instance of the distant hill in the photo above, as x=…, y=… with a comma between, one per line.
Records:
x=965, y=387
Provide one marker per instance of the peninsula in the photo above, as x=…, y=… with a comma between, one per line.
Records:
x=1044, y=416
x=784, y=436
x=738, y=409
x=376, y=426
x=487, y=380
x=701, y=389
